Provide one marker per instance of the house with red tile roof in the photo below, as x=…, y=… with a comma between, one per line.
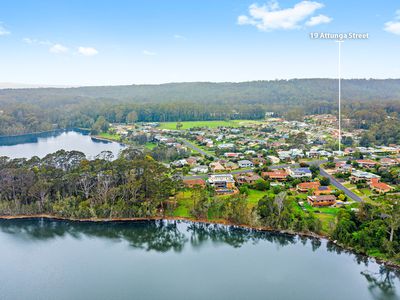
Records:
x=307, y=186
x=367, y=163
x=379, y=187
x=190, y=183
x=279, y=175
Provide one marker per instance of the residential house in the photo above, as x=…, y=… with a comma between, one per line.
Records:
x=230, y=165
x=324, y=200
x=231, y=155
x=190, y=183
x=379, y=187
x=357, y=176
x=200, y=169
x=343, y=167
x=179, y=163
x=216, y=167
x=191, y=161
x=300, y=173
x=388, y=162
x=247, y=178
x=323, y=190
x=245, y=163
x=366, y=163
x=304, y=187
x=259, y=161
x=223, y=183
x=226, y=146
x=274, y=159
x=279, y=175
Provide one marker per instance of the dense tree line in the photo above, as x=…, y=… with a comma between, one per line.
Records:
x=367, y=102
x=66, y=184
x=374, y=229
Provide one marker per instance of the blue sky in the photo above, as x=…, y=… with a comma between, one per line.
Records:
x=156, y=41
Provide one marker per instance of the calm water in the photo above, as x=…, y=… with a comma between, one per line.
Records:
x=166, y=260
x=42, y=144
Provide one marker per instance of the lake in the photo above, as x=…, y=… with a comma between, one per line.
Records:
x=29, y=145
x=47, y=259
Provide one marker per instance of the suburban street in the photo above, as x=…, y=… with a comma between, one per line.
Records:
x=333, y=180
x=196, y=148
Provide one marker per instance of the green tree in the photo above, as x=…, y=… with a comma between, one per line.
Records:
x=131, y=117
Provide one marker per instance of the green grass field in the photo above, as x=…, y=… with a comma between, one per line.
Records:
x=108, y=136
x=185, y=204
x=150, y=146
x=209, y=124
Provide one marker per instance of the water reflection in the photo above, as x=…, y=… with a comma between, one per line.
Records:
x=164, y=236
x=381, y=284
x=41, y=144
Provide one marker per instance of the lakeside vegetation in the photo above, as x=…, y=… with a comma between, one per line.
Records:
x=66, y=184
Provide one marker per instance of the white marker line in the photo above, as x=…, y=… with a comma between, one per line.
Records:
x=340, y=92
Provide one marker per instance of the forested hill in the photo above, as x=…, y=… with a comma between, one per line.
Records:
x=293, y=91
x=367, y=102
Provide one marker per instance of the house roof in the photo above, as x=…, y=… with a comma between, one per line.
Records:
x=198, y=181
x=302, y=170
x=309, y=185
x=380, y=185
x=221, y=177
x=323, y=198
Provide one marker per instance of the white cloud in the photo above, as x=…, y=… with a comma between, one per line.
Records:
x=270, y=16
x=179, y=37
x=320, y=19
x=87, y=51
x=393, y=26
x=148, y=53
x=37, y=42
x=3, y=30
x=58, y=49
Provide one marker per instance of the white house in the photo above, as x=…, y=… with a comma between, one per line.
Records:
x=200, y=169
x=299, y=172
x=245, y=164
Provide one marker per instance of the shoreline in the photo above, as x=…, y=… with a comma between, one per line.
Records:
x=379, y=261
x=45, y=132
x=100, y=138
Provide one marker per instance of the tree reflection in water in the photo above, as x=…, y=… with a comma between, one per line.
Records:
x=381, y=283
x=163, y=236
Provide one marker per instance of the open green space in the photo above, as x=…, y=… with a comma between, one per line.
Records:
x=150, y=146
x=184, y=205
x=254, y=196
x=109, y=136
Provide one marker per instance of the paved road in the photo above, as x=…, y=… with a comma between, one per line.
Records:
x=340, y=186
x=196, y=148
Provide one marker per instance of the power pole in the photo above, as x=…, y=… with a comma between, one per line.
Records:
x=340, y=92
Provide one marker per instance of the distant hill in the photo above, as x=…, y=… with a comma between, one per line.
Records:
x=12, y=85
x=25, y=110
x=298, y=91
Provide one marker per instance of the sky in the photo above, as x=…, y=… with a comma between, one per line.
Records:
x=115, y=42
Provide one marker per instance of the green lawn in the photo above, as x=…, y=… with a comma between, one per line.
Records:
x=209, y=124
x=326, y=220
x=255, y=196
x=109, y=136
x=184, y=205
x=150, y=146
